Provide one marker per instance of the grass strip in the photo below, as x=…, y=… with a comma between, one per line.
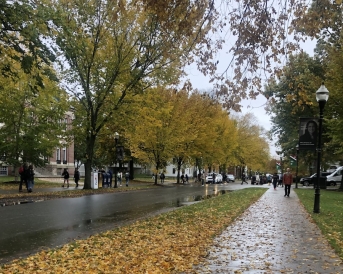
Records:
x=172, y=242
x=71, y=193
x=330, y=218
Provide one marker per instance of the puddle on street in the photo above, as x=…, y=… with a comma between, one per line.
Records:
x=197, y=198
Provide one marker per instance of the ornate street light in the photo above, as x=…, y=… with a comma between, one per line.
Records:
x=116, y=138
x=322, y=95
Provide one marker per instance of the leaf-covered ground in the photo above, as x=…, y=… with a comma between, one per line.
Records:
x=330, y=218
x=170, y=243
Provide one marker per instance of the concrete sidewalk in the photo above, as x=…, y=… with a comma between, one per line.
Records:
x=275, y=235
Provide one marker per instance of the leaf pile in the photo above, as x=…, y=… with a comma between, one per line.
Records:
x=169, y=243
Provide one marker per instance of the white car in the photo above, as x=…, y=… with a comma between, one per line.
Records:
x=230, y=178
x=218, y=178
x=332, y=169
x=335, y=177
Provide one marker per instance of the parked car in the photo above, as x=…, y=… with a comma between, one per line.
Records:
x=335, y=177
x=306, y=181
x=230, y=178
x=218, y=178
x=332, y=169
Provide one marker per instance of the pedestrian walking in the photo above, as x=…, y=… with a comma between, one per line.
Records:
x=243, y=179
x=253, y=180
x=30, y=175
x=202, y=179
x=287, y=181
x=186, y=178
x=275, y=180
x=65, y=175
x=110, y=177
x=182, y=178
x=199, y=177
x=127, y=178
x=23, y=180
x=76, y=177
x=280, y=180
x=162, y=177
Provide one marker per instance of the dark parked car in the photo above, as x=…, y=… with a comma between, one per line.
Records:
x=306, y=181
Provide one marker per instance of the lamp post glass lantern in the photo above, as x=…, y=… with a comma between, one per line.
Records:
x=116, y=138
x=322, y=95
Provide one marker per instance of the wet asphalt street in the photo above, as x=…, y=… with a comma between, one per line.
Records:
x=28, y=228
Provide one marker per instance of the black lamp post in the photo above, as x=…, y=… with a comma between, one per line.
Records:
x=116, y=138
x=322, y=95
x=296, y=175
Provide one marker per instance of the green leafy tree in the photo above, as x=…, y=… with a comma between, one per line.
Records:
x=22, y=34
x=32, y=119
x=117, y=48
x=292, y=97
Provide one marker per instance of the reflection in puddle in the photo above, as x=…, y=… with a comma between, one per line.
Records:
x=180, y=202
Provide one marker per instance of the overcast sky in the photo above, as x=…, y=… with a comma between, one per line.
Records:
x=201, y=82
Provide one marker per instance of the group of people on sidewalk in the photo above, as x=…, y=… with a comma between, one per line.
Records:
x=65, y=175
x=27, y=176
x=286, y=180
x=107, y=178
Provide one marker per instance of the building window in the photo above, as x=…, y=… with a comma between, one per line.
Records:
x=58, y=155
x=64, y=155
x=3, y=170
x=174, y=170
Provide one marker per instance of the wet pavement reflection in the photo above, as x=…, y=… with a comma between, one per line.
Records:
x=28, y=228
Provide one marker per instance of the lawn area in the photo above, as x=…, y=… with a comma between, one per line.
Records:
x=9, y=182
x=330, y=218
x=172, y=242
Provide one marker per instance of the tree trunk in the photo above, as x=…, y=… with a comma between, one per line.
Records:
x=89, y=162
x=88, y=170
x=132, y=173
x=179, y=164
x=156, y=175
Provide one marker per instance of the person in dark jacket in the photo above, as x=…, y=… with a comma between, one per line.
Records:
x=162, y=177
x=76, y=177
x=30, y=176
x=127, y=178
x=275, y=180
x=23, y=179
x=110, y=177
x=253, y=180
x=65, y=176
